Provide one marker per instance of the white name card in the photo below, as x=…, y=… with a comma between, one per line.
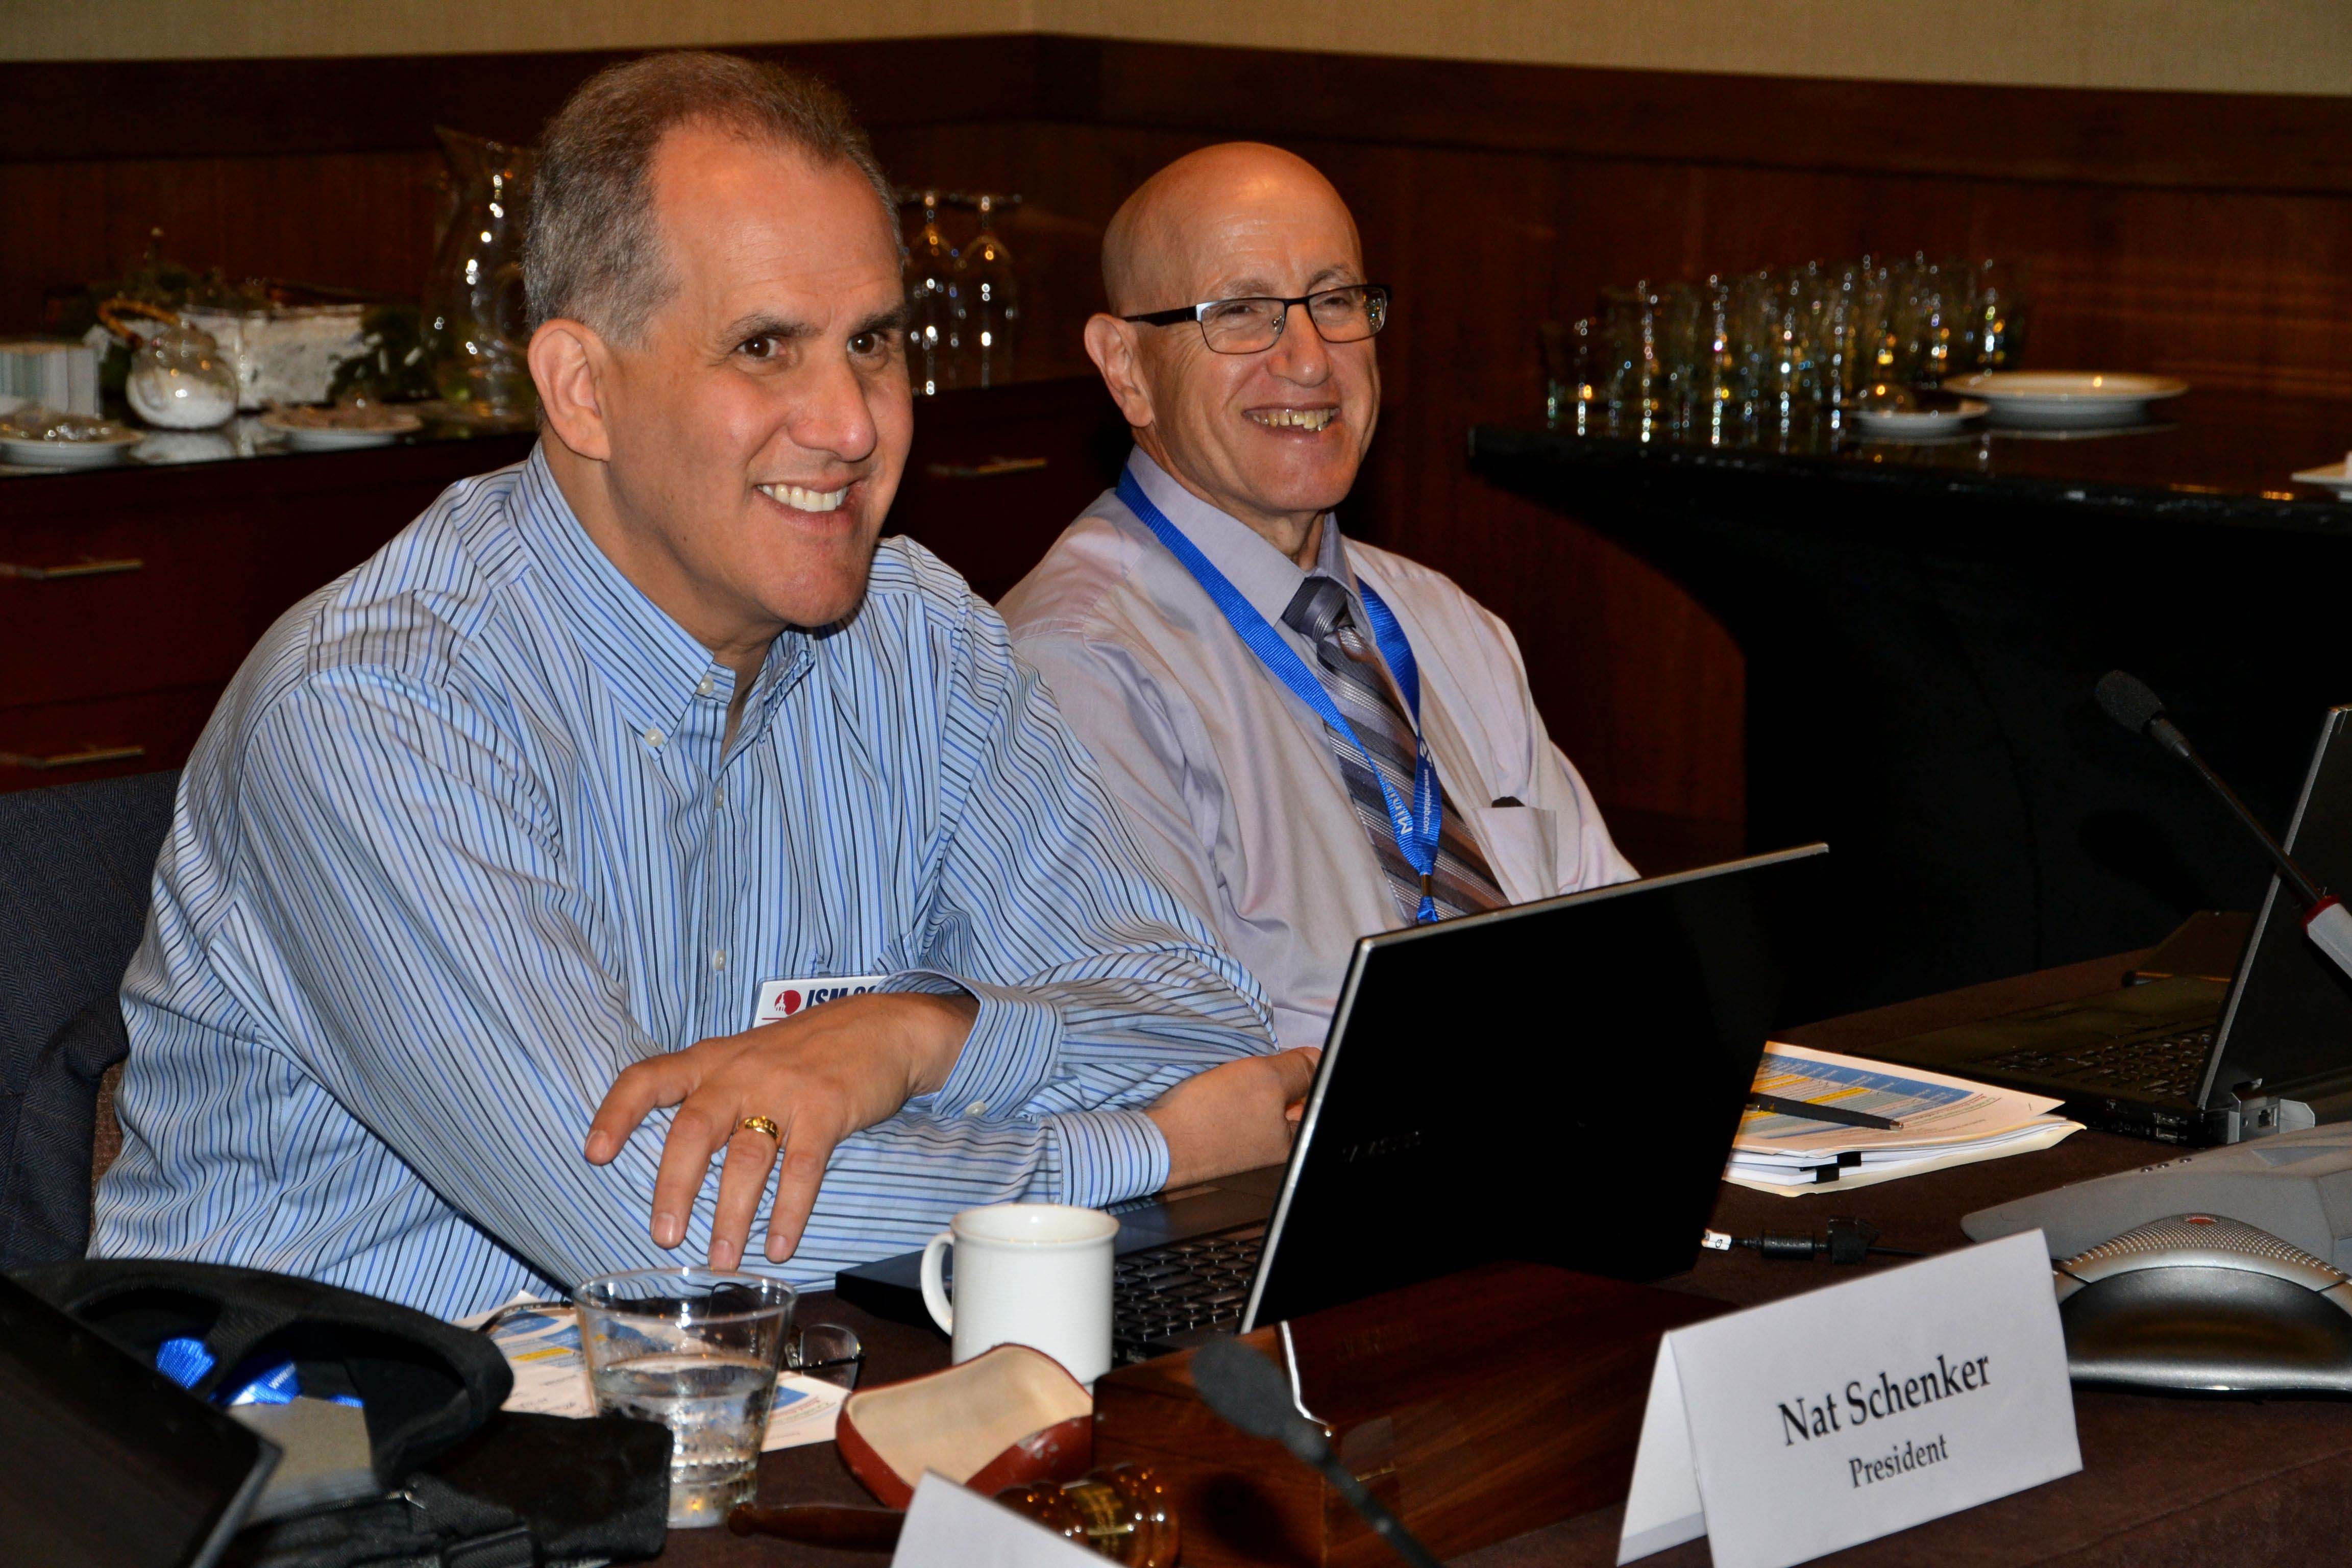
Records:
x=948, y=1526
x=1805, y=1425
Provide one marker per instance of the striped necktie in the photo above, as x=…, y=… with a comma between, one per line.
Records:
x=1366, y=695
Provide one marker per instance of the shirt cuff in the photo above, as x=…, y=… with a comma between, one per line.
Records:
x=1010, y=1055
x=1095, y=1158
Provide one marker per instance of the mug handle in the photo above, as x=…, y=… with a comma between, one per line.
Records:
x=935, y=1285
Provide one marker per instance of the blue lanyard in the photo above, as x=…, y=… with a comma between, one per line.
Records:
x=1415, y=830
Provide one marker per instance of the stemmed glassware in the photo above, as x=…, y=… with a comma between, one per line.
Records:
x=1779, y=346
x=988, y=297
x=1993, y=324
x=933, y=303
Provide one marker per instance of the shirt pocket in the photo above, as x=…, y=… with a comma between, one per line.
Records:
x=1522, y=844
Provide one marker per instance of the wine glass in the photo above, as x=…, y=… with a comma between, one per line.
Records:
x=988, y=297
x=932, y=317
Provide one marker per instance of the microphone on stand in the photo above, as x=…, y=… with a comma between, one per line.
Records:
x=1245, y=1388
x=2129, y=702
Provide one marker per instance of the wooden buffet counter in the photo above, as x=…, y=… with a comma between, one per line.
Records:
x=130, y=595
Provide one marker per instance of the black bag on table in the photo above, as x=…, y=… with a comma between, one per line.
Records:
x=462, y=1485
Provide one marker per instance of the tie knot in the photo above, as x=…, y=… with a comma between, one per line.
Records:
x=1319, y=609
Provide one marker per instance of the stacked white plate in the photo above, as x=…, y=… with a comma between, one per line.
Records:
x=339, y=430
x=1918, y=423
x=2067, y=399
x=94, y=454
x=2337, y=477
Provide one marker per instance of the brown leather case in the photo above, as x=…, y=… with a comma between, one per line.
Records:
x=1477, y=1406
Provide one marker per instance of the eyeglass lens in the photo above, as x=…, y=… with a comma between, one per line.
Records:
x=1340, y=316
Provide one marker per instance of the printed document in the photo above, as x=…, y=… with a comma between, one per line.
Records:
x=1944, y=1122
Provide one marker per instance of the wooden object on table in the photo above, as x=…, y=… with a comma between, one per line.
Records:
x=1007, y=1417
x=1476, y=1406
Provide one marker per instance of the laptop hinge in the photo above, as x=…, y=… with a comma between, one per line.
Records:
x=2267, y=1115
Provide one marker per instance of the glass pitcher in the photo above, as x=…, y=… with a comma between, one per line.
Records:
x=476, y=324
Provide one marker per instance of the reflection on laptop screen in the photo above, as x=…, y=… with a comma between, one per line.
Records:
x=2290, y=1018
x=1555, y=1083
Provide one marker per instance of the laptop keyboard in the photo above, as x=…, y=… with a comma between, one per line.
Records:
x=2171, y=1065
x=1182, y=1293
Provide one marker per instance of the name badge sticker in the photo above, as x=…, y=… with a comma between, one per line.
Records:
x=1809, y=1425
x=782, y=999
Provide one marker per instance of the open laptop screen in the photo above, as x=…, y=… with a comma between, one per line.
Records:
x=103, y=1461
x=1558, y=1082
x=2289, y=1022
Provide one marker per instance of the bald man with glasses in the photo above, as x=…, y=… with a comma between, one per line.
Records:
x=1314, y=739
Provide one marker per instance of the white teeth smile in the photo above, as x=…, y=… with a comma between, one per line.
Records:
x=802, y=499
x=1294, y=419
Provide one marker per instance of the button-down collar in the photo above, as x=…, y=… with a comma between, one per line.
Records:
x=655, y=667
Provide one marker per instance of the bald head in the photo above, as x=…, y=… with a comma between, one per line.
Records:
x=1152, y=250
x=1271, y=435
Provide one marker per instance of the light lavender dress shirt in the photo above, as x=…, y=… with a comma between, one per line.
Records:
x=1228, y=779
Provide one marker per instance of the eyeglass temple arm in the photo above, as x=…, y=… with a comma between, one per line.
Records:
x=1166, y=317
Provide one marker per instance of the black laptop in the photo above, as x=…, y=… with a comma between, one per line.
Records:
x=1558, y=1082
x=2185, y=1060
x=105, y=1463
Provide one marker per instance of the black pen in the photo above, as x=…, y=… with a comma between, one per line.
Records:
x=1811, y=1112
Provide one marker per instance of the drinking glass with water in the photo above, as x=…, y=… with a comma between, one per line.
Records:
x=696, y=1350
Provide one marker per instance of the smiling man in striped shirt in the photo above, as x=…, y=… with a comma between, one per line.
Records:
x=484, y=865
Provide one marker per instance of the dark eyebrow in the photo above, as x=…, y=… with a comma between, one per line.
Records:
x=766, y=326
x=893, y=320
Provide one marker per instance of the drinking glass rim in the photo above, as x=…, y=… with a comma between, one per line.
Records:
x=682, y=1272
x=1074, y=1210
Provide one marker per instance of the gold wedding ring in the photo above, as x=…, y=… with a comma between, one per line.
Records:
x=761, y=1124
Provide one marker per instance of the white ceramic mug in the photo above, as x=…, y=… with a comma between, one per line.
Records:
x=1026, y=1274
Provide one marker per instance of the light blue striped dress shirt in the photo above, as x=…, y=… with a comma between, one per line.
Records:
x=460, y=843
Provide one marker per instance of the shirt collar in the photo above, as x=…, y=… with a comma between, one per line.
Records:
x=654, y=666
x=1265, y=575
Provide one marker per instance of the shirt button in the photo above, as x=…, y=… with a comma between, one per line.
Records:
x=977, y=1108
x=719, y=795
x=718, y=958
x=706, y=687
x=653, y=737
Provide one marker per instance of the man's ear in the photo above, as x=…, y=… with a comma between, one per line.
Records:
x=568, y=363
x=1110, y=343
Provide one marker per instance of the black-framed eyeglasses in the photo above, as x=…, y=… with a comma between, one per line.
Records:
x=1347, y=314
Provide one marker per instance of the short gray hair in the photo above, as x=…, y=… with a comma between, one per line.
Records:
x=594, y=251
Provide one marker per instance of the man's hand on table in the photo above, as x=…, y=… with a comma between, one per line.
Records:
x=1237, y=1116
x=832, y=1071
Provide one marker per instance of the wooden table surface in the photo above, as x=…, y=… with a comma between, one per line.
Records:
x=2164, y=1481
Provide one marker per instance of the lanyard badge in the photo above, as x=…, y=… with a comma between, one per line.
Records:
x=1415, y=828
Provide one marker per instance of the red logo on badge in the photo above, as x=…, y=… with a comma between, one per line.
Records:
x=791, y=1001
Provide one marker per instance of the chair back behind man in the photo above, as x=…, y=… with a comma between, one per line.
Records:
x=77, y=865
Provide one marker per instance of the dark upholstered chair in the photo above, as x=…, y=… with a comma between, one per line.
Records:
x=76, y=864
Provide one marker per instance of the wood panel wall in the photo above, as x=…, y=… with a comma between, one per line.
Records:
x=2203, y=235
